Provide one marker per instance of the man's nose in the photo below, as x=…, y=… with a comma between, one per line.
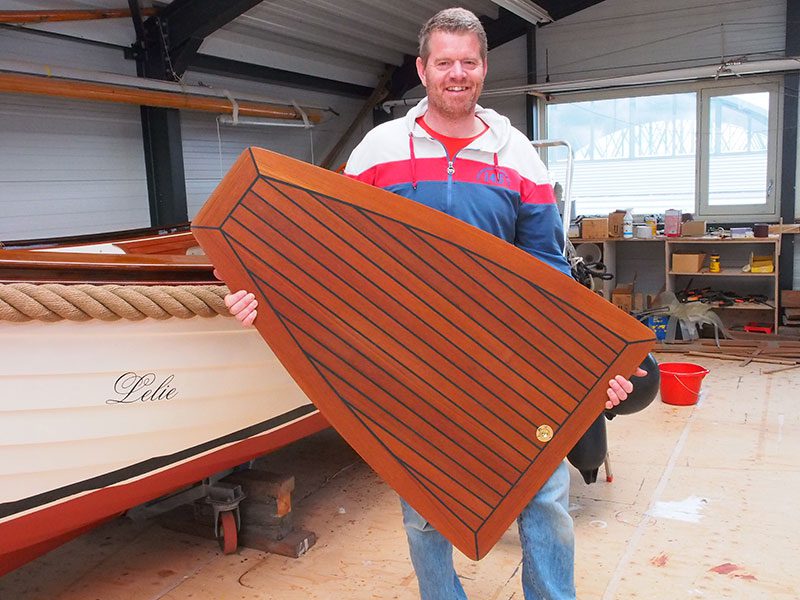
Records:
x=458, y=69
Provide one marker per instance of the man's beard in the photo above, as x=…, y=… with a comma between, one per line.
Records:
x=455, y=108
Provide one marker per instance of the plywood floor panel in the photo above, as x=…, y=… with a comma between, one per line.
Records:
x=739, y=479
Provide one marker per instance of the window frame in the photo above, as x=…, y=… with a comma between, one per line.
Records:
x=718, y=212
x=705, y=90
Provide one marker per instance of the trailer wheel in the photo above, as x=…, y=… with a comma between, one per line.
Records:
x=227, y=535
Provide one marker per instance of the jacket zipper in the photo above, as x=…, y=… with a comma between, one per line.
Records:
x=451, y=170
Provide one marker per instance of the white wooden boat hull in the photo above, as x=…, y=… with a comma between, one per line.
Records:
x=98, y=417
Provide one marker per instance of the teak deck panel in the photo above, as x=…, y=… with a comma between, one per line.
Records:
x=435, y=349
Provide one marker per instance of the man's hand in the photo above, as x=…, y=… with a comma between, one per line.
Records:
x=242, y=305
x=619, y=388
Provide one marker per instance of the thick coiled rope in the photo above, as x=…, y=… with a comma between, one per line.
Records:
x=20, y=302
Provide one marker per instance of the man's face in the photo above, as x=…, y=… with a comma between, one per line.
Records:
x=453, y=74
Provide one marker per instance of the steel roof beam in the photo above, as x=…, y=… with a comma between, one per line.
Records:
x=224, y=66
x=189, y=22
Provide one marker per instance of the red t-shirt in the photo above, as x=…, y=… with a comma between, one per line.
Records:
x=453, y=145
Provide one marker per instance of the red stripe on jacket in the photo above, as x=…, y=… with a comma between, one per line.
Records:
x=398, y=172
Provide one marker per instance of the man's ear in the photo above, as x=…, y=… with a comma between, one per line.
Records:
x=421, y=71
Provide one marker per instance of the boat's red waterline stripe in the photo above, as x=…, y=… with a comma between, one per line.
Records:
x=27, y=536
x=152, y=464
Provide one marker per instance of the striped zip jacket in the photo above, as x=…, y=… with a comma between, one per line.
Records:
x=497, y=183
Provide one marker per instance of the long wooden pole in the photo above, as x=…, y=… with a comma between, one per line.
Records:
x=53, y=16
x=103, y=92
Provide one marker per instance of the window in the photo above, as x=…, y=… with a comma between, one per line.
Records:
x=739, y=174
x=707, y=150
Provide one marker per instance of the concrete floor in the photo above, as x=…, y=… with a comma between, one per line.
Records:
x=702, y=505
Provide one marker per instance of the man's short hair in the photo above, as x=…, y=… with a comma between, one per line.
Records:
x=452, y=20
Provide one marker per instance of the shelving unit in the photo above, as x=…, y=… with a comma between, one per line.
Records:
x=734, y=254
x=645, y=249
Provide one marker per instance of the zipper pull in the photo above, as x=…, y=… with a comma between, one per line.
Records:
x=450, y=168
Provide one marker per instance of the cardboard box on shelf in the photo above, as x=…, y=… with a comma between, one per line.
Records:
x=594, y=228
x=622, y=296
x=693, y=229
x=688, y=263
x=615, y=222
x=790, y=298
x=639, y=301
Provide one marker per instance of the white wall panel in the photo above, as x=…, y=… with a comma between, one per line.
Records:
x=623, y=37
x=69, y=167
x=208, y=152
x=36, y=48
x=508, y=67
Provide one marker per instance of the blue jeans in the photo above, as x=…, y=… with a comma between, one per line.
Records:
x=547, y=539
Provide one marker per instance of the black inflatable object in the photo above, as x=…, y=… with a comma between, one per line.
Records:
x=590, y=451
x=644, y=391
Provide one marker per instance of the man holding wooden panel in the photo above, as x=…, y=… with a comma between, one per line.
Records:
x=452, y=155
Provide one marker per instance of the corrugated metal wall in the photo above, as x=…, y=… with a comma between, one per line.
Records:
x=624, y=37
x=73, y=167
x=209, y=150
x=68, y=167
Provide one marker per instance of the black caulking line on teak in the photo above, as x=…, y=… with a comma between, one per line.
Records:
x=529, y=324
x=476, y=364
x=495, y=331
x=470, y=251
x=325, y=309
x=440, y=295
x=366, y=358
x=355, y=207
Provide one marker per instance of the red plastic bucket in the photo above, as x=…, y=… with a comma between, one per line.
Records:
x=680, y=382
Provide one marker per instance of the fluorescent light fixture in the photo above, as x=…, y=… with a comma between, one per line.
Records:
x=256, y=122
x=713, y=71
x=530, y=11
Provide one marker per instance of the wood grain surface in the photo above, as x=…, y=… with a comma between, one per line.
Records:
x=440, y=352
